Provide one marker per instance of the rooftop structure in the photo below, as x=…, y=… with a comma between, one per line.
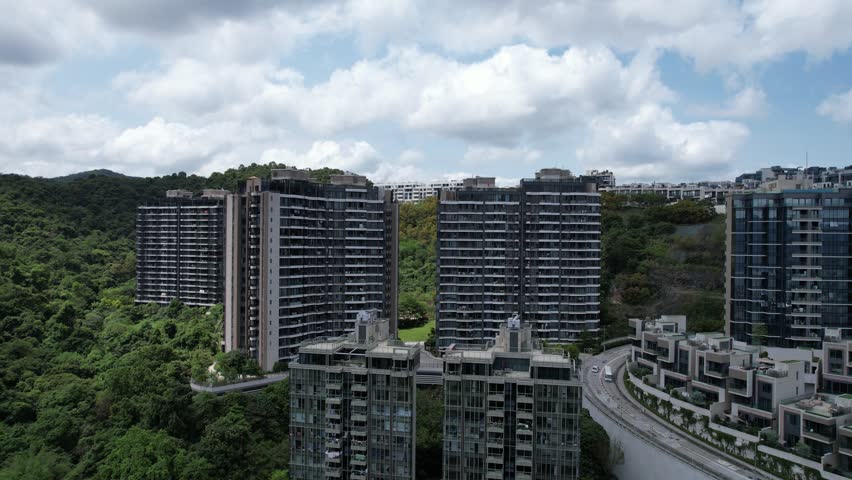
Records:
x=605, y=178
x=818, y=177
x=178, y=194
x=823, y=423
x=478, y=182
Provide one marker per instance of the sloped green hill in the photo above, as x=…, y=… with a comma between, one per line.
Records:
x=93, y=386
x=661, y=260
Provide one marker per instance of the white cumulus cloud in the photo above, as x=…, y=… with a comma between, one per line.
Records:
x=519, y=92
x=838, y=107
x=359, y=157
x=355, y=157
x=485, y=155
x=748, y=102
x=651, y=145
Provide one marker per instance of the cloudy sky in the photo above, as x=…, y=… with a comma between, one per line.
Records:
x=421, y=90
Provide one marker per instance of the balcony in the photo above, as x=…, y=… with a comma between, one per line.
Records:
x=332, y=443
x=713, y=369
x=332, y=472
x=494, y=427
x=494, y=443
x=333, y=386
x=813, y=435
x=739, y=391
x=333, y=427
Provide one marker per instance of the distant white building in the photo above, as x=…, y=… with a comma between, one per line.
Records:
x=679, y=191
x=408, y=192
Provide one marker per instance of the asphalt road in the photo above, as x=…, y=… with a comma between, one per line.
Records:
x=613, y=396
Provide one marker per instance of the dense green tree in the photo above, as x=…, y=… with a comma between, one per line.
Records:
x=430, y=432
x=705, y=312
x=636, y=289
x=759, y=332
x=413, y=310
x=225, y=443
x=39, y=465
x=142, y=454
x=595, y=459
x=431, y=342
x=573, y=350
x=234, y=365
x=647, y=199
x=280, y=475
x=802, y=449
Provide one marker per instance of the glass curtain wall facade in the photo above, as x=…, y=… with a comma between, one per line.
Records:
x=789, y=267
x=533, y=250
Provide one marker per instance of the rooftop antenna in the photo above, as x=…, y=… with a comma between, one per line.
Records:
x=806, y=159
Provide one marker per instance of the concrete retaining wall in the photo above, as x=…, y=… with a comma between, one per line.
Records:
x=677, y=403
x=789, y=457
x=745, y=437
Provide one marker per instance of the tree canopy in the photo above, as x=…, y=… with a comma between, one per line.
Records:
x=93, y=385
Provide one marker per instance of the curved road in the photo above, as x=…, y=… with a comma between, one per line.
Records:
x=614, y=401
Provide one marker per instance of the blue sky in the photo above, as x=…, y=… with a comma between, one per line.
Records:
x=414, y=90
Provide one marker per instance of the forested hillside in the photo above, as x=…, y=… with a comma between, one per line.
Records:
x=661, y=259
x=417, y=232
x=93, y=386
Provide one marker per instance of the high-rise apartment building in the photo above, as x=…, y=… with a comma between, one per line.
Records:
x=532, y=249
x=179, y=248
x=352, y=406
x=511, y=410
x=789, y=267
x=303, y=258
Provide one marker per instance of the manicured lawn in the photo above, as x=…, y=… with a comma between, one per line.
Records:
x=417, y=334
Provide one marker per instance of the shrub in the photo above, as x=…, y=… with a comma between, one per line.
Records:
x=698, y=397
x=802, y=449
